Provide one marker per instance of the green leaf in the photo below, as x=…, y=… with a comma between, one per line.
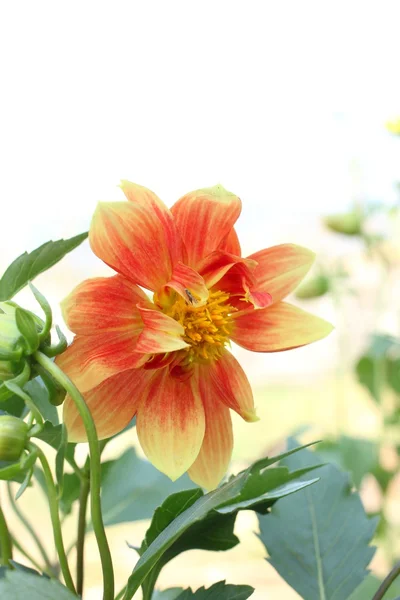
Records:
x=218, y=591
x=13, y=406
x=318, y=539
x=51, y=434
x=27, y=266
x=20, y=585
x=393, y=374
x=72, y=485
x=132, y=488
x=40, y=397
x=356, y=455
x=191, y=519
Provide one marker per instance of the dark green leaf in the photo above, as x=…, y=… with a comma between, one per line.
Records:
x=13, y=406
x=27, y=266
x=132, y=488
x=255, y=488
x=318, y=540
x=218, y=591
x=40, y=397
x=356, y=455
x=51, y=434
x=19, y=585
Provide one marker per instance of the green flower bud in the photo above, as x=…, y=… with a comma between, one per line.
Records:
x=347, y=223
x=13, y=437
x=11, y=349
x=313, y=288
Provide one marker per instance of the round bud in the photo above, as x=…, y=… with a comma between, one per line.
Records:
x=13, y=437
x=313, y=288
x=346, y=223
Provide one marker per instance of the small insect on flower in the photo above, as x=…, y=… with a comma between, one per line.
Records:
x=166, y=358
x=190, y=297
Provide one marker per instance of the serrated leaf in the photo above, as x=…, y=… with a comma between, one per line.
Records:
x=184, y=518
x=51, y=434
x=318, y=540
x=218, y=591
x=27, y=266
x=19, y=585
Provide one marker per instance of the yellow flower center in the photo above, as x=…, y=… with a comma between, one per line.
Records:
x=207, y=327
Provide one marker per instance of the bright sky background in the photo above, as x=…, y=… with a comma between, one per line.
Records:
x=283, y=103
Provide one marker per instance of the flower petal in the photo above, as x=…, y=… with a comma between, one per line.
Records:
x=230, y=384
x=91, y=359
x=138, y=239
x=161, y=333
x=281, y=268
x=204, y=218
x=231, y=243
x=279, y=327
x=217, y=264
x=103, y=303
x=113, y=404
x=185, y=278
x=171, y=423
x=213, y=460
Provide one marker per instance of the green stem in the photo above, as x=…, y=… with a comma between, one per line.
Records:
x=95, y=471
x=387, y=582
x=31, y=531
x=80, y=544
x=5, y=541
x=55, y=518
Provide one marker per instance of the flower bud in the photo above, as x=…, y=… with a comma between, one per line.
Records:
x=13, y=437
x=10, y=343
x=313, y=288
x=347, y=223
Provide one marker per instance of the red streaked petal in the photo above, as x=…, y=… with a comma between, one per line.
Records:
x=205, y=218
x=161, y=333
x=185, y=278
x=229, y=382
x=171, y=423
x=281, y=268
x=132, y=239
x=231, y=243
x=103, y=303
x=215, y=454
x=217, y=264
x=279, y=327
x=91, y=359
x=113, y=404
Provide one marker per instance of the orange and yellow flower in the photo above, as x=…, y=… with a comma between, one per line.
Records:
x=165, y=358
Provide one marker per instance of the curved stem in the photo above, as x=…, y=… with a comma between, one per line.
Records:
x=32, y=532
x=387, y=582
x=80, y=544
x=5, y=541
x=55, y=519
x=95, y=472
